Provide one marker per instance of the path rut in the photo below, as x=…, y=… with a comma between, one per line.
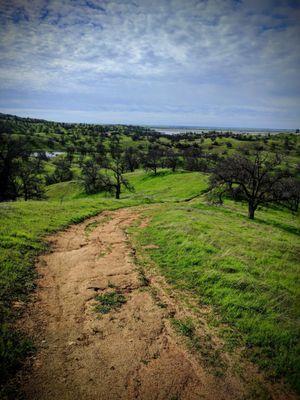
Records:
x=129, y=353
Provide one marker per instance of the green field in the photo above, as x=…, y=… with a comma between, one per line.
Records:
x=165, y=186
x=25, y=223
x=246, y=270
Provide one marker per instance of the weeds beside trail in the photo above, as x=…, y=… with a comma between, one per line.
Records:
x=23, y=225
x=109, y=301
x=247, y=270
x=124, y=350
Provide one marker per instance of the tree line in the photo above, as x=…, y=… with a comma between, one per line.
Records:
x=252, y=173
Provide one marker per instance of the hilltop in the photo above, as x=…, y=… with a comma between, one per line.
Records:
x=228, y=284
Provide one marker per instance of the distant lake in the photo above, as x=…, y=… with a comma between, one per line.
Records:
x=169, y=130
x=52, y=154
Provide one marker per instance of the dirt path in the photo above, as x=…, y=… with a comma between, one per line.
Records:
x=130, y=352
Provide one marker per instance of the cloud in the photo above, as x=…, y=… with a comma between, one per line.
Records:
x=231, y=56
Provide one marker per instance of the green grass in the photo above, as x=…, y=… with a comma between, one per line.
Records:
x=165, y=186
x=109, y=301
x=247, y=270
x=24, y=224
x=202, y=345
x=64, y=190
x=168, y=186
x=185, y=328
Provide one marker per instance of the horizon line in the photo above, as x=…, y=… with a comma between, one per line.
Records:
x=156, y=126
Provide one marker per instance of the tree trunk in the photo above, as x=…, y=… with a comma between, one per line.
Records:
x=221, y=198
x=251, y=210
x=118, y=191
x=4, y=182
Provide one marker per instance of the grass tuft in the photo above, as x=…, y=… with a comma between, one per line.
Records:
x=109, y=301
x=202, y=345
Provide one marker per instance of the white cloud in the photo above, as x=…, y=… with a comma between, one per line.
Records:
x=239, y=53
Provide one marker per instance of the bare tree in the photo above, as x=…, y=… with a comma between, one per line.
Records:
x=255, y=177
x=108, y=175
x=131, y=158
x=172, y=159
x=288, y=192
x=152, y=159
x=114, y=178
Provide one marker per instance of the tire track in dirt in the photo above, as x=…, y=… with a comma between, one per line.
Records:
x=129, y=353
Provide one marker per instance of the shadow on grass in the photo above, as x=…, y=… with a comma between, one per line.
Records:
x=290, y=229
x=285, y=227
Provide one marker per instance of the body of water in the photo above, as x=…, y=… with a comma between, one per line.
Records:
x=173, y=130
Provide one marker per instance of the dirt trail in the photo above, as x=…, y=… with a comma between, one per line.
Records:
x=129, y=353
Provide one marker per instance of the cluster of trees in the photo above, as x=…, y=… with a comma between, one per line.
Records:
x=24, y=143
x=258, y=178
x=13, y=123
x=254, y=173
x=151, y=157
x=62, y=172
x=20, y=169
x=105, y=171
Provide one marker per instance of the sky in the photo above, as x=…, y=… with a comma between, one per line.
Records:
x=230, y=63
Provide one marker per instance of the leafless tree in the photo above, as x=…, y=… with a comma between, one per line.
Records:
x=255, y=177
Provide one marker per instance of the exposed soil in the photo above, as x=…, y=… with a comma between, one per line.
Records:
x=132, y=352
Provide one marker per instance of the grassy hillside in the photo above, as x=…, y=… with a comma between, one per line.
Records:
x=23, y=225
x=247, y=270
x=165, y=186
x=64, y=191
x=168, y=186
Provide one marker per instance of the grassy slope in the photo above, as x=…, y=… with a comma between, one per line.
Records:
x=64, y=191
x=23, y=225
x=248, y=271
x=165, y=186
